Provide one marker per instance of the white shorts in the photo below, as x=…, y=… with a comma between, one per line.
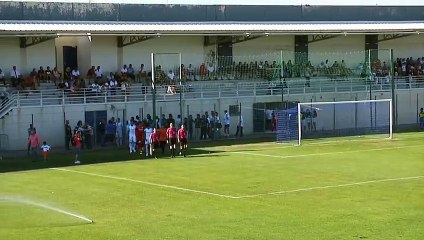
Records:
x=131, y=138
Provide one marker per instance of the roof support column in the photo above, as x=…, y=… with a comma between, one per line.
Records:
x=371, y=47
x=301, y=43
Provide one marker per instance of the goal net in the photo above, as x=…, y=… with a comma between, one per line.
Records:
x=371, y=118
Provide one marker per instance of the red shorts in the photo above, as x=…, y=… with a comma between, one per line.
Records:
x=46, y=154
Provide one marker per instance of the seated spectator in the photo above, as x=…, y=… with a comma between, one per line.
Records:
x=113, y=84
x=91, y=73
x=171, y=76
x=29, y=82
x=190, y=72
x=202, y=71
x=56, y=75
x=34, y=77
x=2, y=79
x=171, y=89
x=131, y=72
x=95, y=88
x=99, y=73
x=67, y=74
x=124, y=86
x=16, y=77
x=41, y=75
x=124, y=72
x=211, y=71
x=48, y=73
x=76, y=74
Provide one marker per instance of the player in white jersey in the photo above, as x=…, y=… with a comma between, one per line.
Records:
x=131, y=136
x=148, y=132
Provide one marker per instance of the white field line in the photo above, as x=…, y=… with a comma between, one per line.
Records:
x=273, y=145
x=146, y=183
x=331, y=186
x=326, y=153
x=41, y=205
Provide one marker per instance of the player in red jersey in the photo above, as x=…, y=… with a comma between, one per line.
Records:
x=182, y=139
x=140, y=136
x=77, y=142
x=154, y=143
x=171, y=135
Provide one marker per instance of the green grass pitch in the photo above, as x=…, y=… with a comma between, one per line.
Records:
x=340, y=189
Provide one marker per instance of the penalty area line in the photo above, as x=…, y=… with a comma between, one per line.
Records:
x=146, y=183
x=323, y=154
x=331, y=186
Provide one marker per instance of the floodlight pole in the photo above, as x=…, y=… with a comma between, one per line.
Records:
x=282, y=79
x=152, y=57
x=181, y=91
x=393, y=103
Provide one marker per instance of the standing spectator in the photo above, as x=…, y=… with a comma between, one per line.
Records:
x=110, y=132
x=274, y=122
x=16, y=77
x=240, y=126
x=218, y=125
x=147, y=142
x=46, y=149
x=131, y=72
x=171, y=120
x=101, y=129
x=178, y=122
x=88, y=133
x=226, y=123
x=163, y=121
x=190, y=123
x=30, y=130
x=149, y=120
x=421, y=116
x=203, y=128
x=77, y=142
x=68, y=134
x=197, y=122
x=2, y=79
x=212, y=125
x=119, y=132
x=141, y=73
x=34, y=144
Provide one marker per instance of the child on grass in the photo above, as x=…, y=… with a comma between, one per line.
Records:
x=45, y=148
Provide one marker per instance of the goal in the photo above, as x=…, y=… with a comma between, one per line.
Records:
x=367, y=118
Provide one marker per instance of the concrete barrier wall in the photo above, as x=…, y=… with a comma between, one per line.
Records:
x=49, y=121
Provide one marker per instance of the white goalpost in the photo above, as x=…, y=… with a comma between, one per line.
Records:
x=342, y=119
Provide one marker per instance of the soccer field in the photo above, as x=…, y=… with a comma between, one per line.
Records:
x=355, y=188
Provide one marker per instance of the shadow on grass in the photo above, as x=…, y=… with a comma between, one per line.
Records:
x=103, y=155
x=18, y=161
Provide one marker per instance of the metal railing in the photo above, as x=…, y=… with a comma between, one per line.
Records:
x=202, y=90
